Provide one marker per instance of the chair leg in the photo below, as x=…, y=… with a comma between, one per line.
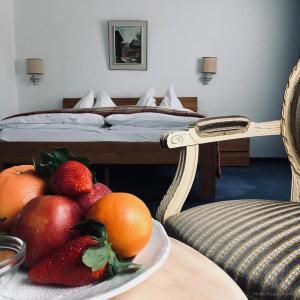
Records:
x=181, y=185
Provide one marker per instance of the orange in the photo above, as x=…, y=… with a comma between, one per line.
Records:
x=127, y=220
x=18, y=185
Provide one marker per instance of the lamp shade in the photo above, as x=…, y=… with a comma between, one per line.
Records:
x=209, y=65
x=34, y=66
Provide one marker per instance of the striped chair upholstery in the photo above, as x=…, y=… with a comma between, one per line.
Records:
x=257, y=242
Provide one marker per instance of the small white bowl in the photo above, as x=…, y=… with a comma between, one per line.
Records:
x=10, y=265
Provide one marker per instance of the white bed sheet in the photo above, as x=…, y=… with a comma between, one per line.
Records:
x=116, y=133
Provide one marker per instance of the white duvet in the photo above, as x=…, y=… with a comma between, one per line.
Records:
x=149, y=119
x=139, y=127
x=82, y=119
x=111, y=134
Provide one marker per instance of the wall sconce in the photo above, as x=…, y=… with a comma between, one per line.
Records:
x=208, y=68
x=35, y=68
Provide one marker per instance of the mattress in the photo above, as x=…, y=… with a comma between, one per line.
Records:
x=116, y=133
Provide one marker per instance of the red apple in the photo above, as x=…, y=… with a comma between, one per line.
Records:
x=45, y=224
x=87, y=200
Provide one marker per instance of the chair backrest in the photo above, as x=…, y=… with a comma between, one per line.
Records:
x=290, y=128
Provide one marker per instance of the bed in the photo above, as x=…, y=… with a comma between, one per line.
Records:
x=116, y=152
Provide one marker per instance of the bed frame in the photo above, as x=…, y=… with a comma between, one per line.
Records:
x=112, y=153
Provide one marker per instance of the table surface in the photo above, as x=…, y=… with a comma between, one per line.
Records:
x=186, y=274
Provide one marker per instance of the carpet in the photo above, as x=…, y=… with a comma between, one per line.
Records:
x=263, y=179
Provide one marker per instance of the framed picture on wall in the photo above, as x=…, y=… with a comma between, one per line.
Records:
x=127, y=45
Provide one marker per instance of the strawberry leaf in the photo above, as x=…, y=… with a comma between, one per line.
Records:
x=48, y=162
x=45, y=170
x=117, y=266
x=84, y=160
x=62, y=153
x=96, y=257
x=91, y=227
x=46, y=156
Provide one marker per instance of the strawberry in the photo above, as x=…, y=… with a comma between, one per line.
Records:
x=64, y=267
x=81, y=261
x=69, y=174
x=72, y=179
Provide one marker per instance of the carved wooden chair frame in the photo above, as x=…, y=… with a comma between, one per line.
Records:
x=217, y=129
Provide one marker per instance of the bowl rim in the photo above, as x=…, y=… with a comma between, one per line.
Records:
x=19, y=252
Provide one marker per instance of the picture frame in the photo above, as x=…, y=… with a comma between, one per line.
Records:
x=127, y=45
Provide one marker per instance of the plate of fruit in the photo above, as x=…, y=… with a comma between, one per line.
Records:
x=83, y=241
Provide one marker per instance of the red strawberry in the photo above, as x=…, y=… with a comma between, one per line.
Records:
x=65, y=266
x=72, y=179
x=81, y=261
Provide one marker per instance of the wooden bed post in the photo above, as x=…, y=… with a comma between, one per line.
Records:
x=207, y=166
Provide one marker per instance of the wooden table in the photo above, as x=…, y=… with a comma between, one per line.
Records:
x=186, y=274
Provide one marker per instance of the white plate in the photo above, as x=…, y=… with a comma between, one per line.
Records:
x=151, y=258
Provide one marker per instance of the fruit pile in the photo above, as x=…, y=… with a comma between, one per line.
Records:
x=77, y=231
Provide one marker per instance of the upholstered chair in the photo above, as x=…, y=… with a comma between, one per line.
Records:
x=257, y=242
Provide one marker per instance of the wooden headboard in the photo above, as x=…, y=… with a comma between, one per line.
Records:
x=187, y=102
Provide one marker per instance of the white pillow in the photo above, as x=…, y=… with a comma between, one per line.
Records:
x=103, y=100
x=147, y=98
x=170, y=100
x=86, y=101
x=82, y=119
x=148, y=119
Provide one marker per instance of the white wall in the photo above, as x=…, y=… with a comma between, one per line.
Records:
x=8, y=88
x=256, y=42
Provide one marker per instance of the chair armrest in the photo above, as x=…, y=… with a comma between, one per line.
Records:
x=221, y=125
x=218, y=129
x=206, y=130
